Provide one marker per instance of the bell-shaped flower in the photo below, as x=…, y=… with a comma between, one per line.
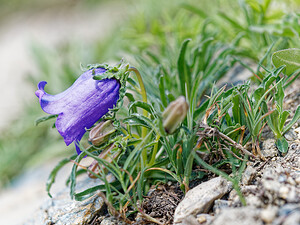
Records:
x=81, y=105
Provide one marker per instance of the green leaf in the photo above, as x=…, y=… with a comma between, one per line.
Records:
x=274, y=120
x=258, y=93
x=200, y=111
x=52, y=176
x=45, y=118
x=162, y=91
x=282, y=145
x=232, y=22
x=288, y=57
x=88, y=192
x=236, y=109
x=139, y=120
x=195, y=10
x=293, y=121
x=283, y=117
x=279, y=96
x=73, y=174
x=182, y=68
x=142, y=105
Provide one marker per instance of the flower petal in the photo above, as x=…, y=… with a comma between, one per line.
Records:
x=81, y=105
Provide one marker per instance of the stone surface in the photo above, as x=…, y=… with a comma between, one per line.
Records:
x=62, y=210
x=111, y=221
x=238, y=216
x=248, y=175
x=268, y=214
x=200, y=199
x=269, y=149
x=291, y=135
x=288, y=214
x=220, y=204
x=204, y=218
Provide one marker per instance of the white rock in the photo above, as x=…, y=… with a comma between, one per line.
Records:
x=238, y=216
x=284, y=192
x=200, y=199
x=268, y=214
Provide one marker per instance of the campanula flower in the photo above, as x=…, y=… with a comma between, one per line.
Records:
x=81, y=105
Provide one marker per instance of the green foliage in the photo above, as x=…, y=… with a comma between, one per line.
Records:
x=290, y=58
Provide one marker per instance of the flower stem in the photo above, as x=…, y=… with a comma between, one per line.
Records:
x=155, y=148
x=144, y=98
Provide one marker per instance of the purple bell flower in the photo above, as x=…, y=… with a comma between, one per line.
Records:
x=81, y=105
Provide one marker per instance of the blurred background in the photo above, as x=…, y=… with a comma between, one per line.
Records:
x=48, y=40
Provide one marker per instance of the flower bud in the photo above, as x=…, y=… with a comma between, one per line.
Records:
x=101, y=132
x=109, y=154
x=174, y=114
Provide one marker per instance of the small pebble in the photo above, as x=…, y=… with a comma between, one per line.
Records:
x=284, y=192
x=201, y=219
x=268, y=215
x=291, y=181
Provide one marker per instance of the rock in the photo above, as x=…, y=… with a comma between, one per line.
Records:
x=234, y=198
x=248, y=175
x=292, y=219
x=191, y=220
x=204, y=218
x=220, y=204
x=238, y=216
x=269, y=149
x=288, y=214
x=253, y=200
x=290, y=135
x=297, y=131
x=200, y=199
x=284, y=192
x=268, y=214
x=62, y=210
x=111, y=221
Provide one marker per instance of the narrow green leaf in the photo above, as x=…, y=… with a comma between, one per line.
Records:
x=279, y=96
x=288, y=57
x=295, y=118
x=45, y=118
x=282, y=145
x=232, y=21
x=137, y=151
x=195, y=10
x=182, y=68
x=162, y=91
x=274, y=123
x=283, y=117
x=52, y=176
x=142, y=105
x=135, y=121
x=73, y=174
x=89, y=192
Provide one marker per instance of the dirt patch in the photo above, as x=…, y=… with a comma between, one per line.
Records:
x=161, y=202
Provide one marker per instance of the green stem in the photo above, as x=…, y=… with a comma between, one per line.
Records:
x=237, y=188
x=155, y=148
x=144, y=98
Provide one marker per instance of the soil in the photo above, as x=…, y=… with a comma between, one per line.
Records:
x=161, y=202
